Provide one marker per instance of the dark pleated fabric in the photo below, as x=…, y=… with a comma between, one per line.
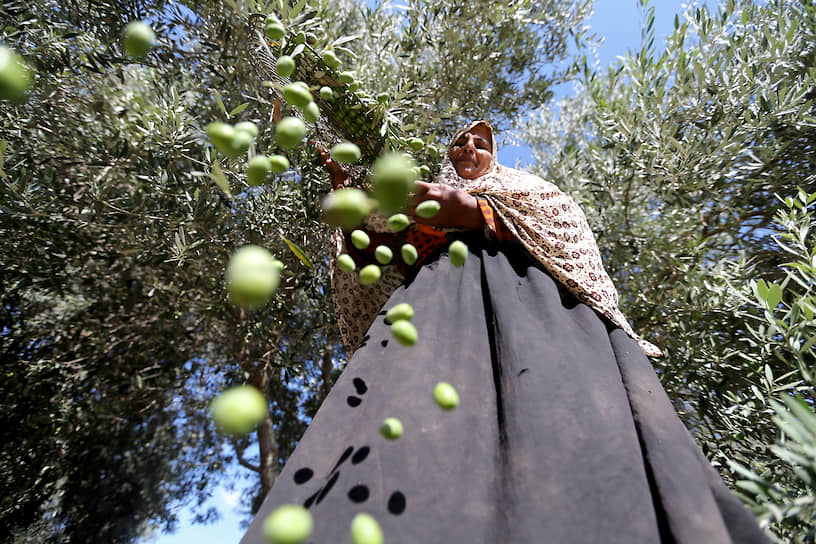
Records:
x=563, y=433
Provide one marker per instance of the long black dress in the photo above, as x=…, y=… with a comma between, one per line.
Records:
x=563, y=433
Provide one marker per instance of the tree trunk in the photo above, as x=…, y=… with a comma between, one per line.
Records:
x=269, y=454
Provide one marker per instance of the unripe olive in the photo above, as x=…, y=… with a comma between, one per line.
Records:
x=285, y=66
x=346, y=263
x=331, y=59
x=326, y=93
x=425, y=170
x=248, y=127
x=346, y=77
x=138, y=39
x=370, y=274
x=391, y=428
x=404, y=332
x=401, y=312
x=15, y=76
x=297, y=95
x=409, y=254
x=458, y=253
x=290, y=132
x=346, y=208
x=398, y=222
x=346, y=152
x=365, y=530
x=382, y=98
x=221, y=135
x=274, y=31
x=383, y=254
x=279, y=163
x=311, y=112
x=251, y=276
x=241, y=140
x=300, y=37
x=258, y=169
x=416, y=144
x=237, y=410
x=392, y=180
x=288, y=524
x=427, y=208
x=446, y=396
x=360, y=239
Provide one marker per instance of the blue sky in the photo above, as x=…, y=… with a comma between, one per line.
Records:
x=619, y=22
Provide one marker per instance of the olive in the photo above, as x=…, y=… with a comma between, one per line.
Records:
x=279, y=163
x=297, y=94
x=138, y=39
x=346, y=152
x=398, y=222
x=446, y=396
x=290, y=132
x=392, y=180
x=258, y=168
x=346, y=263
x=404, y=332
x=427, y=208
x=360, y=239
x=326, y=93
x=237, y=410
x=288, y=524
x=366, y=530
x=15, y=76
x=370, y=274
x=391, y=428
x=401, y=312
x=251, y=276
x=458, y=253
x=409, y=254
x=311, y=112
x=346, y=208
x=285, y=66
x=383, y=254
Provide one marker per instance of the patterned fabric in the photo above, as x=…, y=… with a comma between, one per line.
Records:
x=547, y=222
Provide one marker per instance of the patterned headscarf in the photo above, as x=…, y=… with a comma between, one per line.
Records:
x=547, y=222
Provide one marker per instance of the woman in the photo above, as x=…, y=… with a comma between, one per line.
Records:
x=563, y=432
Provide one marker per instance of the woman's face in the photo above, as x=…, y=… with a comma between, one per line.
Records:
x=472, y=152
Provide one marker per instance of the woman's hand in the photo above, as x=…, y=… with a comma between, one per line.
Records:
x=339, y=177
x=457, y=208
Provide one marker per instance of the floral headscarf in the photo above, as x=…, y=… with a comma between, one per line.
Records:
x=547, y=222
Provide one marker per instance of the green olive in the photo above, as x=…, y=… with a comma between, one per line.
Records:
x=241, y=140
x=370, y=274
x=458, y=253
x=285, y=66
x=311, y=112
x=391, y=428
x=425, y=170
x=446, y=396
x=331, y=59
x=398, y=222
x=288, y=524
x=297, y=94
x=404, y=332
x=383, y=254
x=258, y=169
x=353, y=86
x=346, y=152
x=248, y=127
x=221, y=135
x=346, y=263
x=416, y=144
x=326, y=93
x=15, y=76
x=279, y=164
x=360, y=239
x=274, y=31
x=138, y=39
x=401, y=312
x=366, y=530
x=392, y=180
x=290, y=132
x=346, y=208
x=382, y=98
x=428, y=208
x=237, y=410
x=251, y=277
x=409, y=254
x=432, y=151
x=300, y=37
x=346, y=77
